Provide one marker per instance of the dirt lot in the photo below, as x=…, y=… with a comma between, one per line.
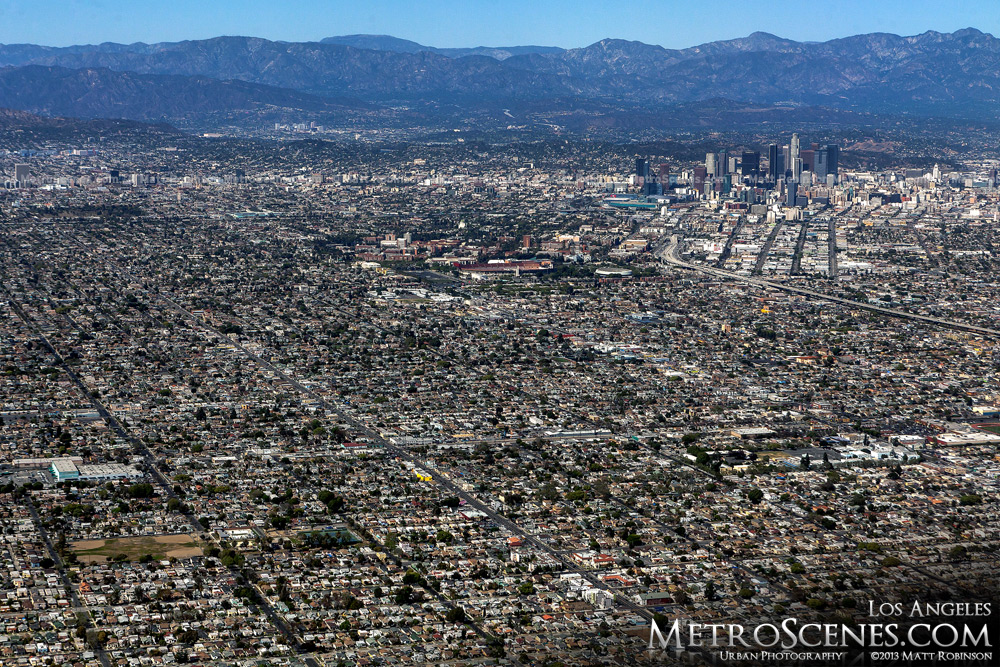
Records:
x=157, y=546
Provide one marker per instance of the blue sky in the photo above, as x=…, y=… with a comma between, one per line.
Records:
x=447, y=23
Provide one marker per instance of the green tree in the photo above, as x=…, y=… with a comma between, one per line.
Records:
x=404, y=595
x=710, y=593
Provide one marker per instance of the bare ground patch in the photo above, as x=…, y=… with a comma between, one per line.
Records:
x=157, y=547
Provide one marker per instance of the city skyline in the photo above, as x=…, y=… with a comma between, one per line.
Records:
x=454, y=25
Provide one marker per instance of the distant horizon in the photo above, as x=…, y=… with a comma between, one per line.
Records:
x=489, y=46
x=473, y=23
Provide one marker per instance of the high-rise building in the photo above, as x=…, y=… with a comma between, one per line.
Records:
x=808, y=160
x=833, y=153
x=750, y=165
x=663, y=170
x=822, y=164
x=21, y=173
x=773, y=173
x=778, y=163
x=825, y=163
x=712, y=164
x=698, y=180
x=795, y=157
x=792, y=191
x=641, y=170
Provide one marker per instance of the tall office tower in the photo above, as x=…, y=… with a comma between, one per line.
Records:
x=808, y=159
x=795, y=157
x=833, y=160
x=698, y=181
x=750, y=164
x=642, y=169
x=826, y=162
x=712, y=164
x=663, y=171
x=21, y=173
x=772, y=162
x=793, y=190
x=821, y=163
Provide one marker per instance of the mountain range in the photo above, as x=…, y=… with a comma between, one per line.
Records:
x=942, y=74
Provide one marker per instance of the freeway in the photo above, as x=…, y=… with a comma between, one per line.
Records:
x=669, y=255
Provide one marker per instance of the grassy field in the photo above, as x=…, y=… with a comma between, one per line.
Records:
x=157, y=546
x=992, y=428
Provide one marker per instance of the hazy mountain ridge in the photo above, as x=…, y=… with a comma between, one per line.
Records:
x=103, y=93
x=328, y=69
x=932, y=73
x=389, y=43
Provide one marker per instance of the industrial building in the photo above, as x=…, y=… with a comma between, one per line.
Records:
x=71, y=468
